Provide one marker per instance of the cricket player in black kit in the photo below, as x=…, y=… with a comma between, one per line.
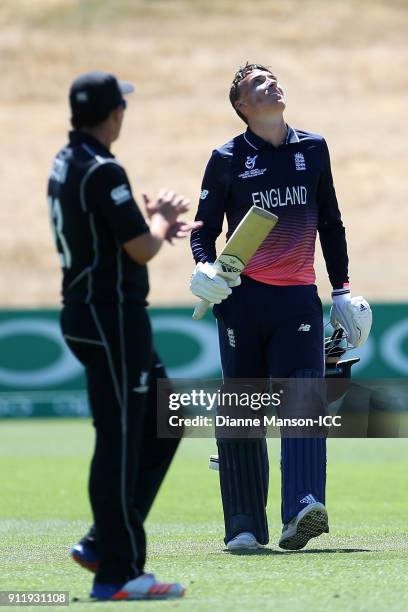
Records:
x=104, y=244
x=271, y=324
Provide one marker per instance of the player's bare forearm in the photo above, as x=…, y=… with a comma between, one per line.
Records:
x=143, y=248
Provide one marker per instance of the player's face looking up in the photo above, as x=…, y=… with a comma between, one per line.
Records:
x=259, y=94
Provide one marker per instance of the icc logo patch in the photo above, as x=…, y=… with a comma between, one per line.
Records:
x=250, y=162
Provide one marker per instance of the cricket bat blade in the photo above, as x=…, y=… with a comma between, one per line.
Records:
x=241, y=246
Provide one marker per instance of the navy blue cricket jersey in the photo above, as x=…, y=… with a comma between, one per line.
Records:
x=93, y=214
x=294, y=181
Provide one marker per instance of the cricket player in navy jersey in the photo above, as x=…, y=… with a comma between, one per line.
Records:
x=270, y=324
x=104, y=243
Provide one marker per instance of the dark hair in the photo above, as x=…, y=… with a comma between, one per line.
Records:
x=240, y=74
x=79, y=122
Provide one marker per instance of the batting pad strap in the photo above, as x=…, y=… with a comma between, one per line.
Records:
x=244, y=477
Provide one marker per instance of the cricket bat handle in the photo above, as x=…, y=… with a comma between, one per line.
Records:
x=200, y=309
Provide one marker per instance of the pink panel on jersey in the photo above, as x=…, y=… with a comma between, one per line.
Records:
x=286, y=257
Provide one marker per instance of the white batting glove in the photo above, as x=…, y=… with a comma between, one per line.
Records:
x=207, y=285
x=353, y=315
x=234, y=283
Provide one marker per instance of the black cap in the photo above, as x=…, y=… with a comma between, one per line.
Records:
x=94, y=94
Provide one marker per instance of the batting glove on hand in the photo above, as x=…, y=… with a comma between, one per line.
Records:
x=234, y=283
x=207, y=285
x=353, y=315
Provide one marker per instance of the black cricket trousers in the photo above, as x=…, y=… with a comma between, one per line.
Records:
x=114, y=343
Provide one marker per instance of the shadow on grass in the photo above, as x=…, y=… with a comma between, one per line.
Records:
x=270, y=551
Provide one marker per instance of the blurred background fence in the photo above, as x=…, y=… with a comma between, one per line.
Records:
x=39, y=377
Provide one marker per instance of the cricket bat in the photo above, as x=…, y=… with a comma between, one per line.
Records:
x=242, y=245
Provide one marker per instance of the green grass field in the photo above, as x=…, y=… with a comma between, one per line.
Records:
x=360, y=565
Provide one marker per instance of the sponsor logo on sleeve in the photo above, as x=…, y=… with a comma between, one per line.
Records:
x=121, y=194
x=204, y=193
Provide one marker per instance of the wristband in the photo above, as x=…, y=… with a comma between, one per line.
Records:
x=341, y=293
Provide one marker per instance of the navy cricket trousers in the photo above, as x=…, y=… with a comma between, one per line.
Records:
x=270, y=331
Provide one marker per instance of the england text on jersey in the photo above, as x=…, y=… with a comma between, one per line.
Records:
x=294, y=181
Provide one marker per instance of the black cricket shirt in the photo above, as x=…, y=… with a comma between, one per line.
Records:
x=93, y=213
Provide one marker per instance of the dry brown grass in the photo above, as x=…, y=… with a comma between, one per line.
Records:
x=343, y=64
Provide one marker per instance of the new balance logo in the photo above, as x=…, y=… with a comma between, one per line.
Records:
x=143, y=387
x=300, y=163
x=309, y=499
x=305, y=327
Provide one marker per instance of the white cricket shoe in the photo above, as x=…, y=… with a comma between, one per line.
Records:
x=244, y=541
x=311, y=522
